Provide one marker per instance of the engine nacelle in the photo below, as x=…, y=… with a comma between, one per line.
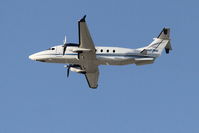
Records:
x=77, y=70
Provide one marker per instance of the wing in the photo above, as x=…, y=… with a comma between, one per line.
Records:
x=92, y=79
x=85, y=39
x=88, y=58
x=91, y=73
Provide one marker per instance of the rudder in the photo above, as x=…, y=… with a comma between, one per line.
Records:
x=165, y=35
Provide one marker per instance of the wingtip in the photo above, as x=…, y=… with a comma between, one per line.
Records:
x=83, y=19
x=93, y=87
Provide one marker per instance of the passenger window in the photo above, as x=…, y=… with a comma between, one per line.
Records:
x=107, y=50
x=101, y=50
x=113, y=51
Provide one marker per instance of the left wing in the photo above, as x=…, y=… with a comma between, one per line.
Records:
x=87, y=58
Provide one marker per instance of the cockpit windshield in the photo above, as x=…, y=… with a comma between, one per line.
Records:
x=51, y=49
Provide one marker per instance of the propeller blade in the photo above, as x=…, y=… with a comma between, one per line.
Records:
x=64, y=45
x=64, y=50
x=65, y=40
x=68, y=70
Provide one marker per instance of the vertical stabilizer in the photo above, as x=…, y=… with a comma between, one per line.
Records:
x=161, y=42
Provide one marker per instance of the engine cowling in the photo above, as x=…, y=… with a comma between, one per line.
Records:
x=77, y=70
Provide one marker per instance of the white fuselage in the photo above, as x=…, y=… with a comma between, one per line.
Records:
x=104, y=55
x=84, y=57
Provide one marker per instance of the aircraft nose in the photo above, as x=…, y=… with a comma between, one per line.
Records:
x=32, y=57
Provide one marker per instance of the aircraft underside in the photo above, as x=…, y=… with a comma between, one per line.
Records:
x=99, y=61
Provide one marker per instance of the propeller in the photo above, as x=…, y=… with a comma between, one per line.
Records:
x=64, y=45
x=68, y=68
x=68, y=71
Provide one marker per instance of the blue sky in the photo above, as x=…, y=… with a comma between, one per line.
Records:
x=37, y=97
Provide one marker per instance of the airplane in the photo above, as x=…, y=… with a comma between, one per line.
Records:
x=84, y=57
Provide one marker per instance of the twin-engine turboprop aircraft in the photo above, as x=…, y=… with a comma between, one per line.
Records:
x=85, y=58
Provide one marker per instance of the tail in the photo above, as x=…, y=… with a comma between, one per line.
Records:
x=160, y=43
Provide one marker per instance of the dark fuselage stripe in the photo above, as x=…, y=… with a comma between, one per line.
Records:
x=115, y=55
